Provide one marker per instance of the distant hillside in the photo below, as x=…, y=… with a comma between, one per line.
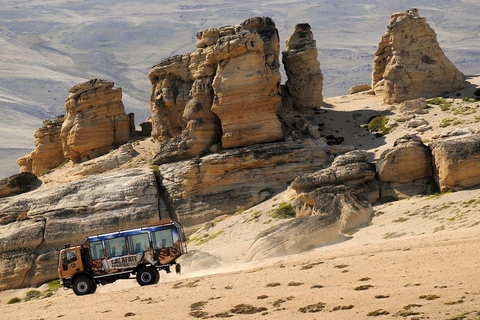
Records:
x=49, y=46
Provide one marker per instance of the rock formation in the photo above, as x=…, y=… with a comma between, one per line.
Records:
x=409, y=62
x=48, y=153
x=330, y=211
x=456, y=162
x=95, y=121
x=34, y=225
x=18, y=183
x=351, y=169
x=198, y=190
x=406, y=169
x=106, y=162
x=305, y=79
x=226, y=90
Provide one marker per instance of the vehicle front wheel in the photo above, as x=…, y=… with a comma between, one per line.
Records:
x=178, y=268
x=146, y=276
x=83, y=285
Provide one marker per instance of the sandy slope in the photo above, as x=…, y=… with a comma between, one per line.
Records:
x=422, y=246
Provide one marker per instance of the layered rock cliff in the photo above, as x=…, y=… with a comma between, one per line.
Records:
x=35, y=225
x=409, y=62
x=226, y=90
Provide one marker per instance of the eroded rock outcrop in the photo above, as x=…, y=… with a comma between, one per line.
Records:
x=327, y=213
x=33, y=226
x=305, y=79
x=48, y=153
x=351, y=169
x=226, y=90
x=456, y=162
x=106, y=162
x=95, y=121
x=18, y=183
x=198, y=190
x=409, y=62
x=406, y=169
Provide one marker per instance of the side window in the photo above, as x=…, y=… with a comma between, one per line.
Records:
x=115, y=247
x=68, y=257
x=138, y=242
x=162, y=239
x=96, y=250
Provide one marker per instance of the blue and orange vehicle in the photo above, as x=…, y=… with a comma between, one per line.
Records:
x=104, y=258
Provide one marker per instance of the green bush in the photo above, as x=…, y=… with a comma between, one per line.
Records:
x=437, y=101
x=14, y=300
x=284, y=211
x=379, y=124
x=33, y=294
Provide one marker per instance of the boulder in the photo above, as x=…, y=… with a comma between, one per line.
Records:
x=413, y=106
x=18, y=183
x=406, y=169
x=199, y=190
x=48, y=153
x=325, y=213
x=34, y=226
x=409, y=62
x=305, y=79
x=95, y=121
x=351, y=169
x=359, y=88
x=395, y=164
x=455, y=162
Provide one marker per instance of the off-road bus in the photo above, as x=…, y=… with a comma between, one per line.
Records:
x=104, y=258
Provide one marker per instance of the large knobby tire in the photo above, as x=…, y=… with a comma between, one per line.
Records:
x=178, y=268
x=147, y=275
x=83, y=285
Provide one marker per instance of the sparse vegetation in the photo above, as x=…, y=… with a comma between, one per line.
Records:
x=378, y=312
x=14, y=300
x=246, y=309
x=393, y=235
x=284, y=211
x=363, y=288
x=44, y=172
x=342, y=308
x=273, y=284
x=401, y=219
x=33, y=295
x=429, y=297
x=446, y=122
x=294, y=284
x=155, y=169
x=379, y=124
x=317, y=307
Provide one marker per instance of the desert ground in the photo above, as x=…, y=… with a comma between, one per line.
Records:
x=417, y=259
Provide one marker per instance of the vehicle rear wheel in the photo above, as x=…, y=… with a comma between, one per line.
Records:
x=146, y=276
x=83, y=285
x=157, y=276
x=178, y=268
